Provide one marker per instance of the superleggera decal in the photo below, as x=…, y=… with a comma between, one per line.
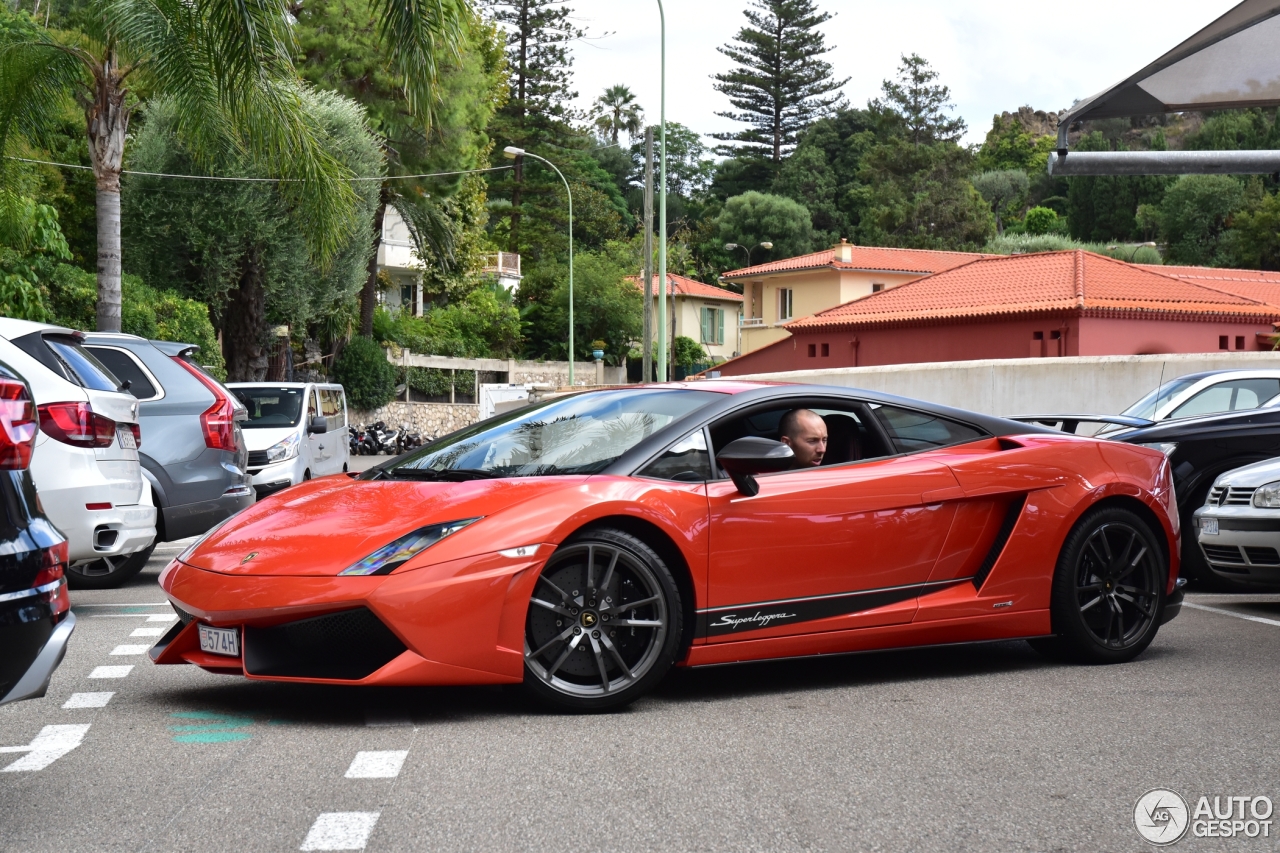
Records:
x=753, y=617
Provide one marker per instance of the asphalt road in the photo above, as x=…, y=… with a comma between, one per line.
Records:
x=979, y=748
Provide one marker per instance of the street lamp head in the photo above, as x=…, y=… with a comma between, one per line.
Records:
x=728, y=246
x=511, y=152
x=766, y=245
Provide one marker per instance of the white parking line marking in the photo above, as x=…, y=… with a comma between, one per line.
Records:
x=120, y=651
x=1232, y=613
x=111, y=671
x=383, y=717
x=52, y=743
x=88, y=700
x=148, y=632
x=340, y=831
x=162, y=617
x=383, y=764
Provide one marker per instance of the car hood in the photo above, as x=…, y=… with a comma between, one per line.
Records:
x=263, y=439
x=1222, y=426
x=324, y=526
x=1252, y=476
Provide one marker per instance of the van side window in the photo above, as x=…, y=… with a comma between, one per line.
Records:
x=331, y=408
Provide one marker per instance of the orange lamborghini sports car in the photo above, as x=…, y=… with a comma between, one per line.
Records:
x=585, y=545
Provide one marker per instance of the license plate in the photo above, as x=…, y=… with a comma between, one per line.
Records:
x=125, y=436
x=220, y=641
x=1209, y=526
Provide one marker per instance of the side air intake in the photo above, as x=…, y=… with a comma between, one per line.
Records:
x=1002, y=538
x=349, y=645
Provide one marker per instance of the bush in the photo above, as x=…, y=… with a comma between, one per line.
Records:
x=435, y=382
x=365, y=373
x=688, y=352
x=1040, y=220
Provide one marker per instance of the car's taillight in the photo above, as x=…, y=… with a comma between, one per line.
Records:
x=17, y=425
x=137, y=433
x=76, y=424
x=219, y=420
x=51, y=579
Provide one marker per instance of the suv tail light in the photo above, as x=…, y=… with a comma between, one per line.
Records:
x=17, y=425
x=136, y=429
x=53, y=564
x=77, y=424
x=219, y=420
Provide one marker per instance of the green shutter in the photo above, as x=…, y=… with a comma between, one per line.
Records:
x=720, y=326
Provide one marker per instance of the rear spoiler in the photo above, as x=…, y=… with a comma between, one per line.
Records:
x=1070, y=423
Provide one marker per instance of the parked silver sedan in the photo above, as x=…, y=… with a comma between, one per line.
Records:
x=1238, y=528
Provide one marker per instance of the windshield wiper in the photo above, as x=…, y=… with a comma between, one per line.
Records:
x=455, y=475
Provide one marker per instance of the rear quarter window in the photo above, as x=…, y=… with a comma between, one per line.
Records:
x=912, y=431
x=127, y=369
x=66, y=357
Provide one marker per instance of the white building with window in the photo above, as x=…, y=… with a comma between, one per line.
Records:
x=708, y=314
x=399, y=260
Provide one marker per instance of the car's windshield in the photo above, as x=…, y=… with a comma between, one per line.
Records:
x=271, y=408
x=575, y=435
x=1148, y=405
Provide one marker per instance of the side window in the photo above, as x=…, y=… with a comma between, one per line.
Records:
x=331, y=407
x=311, y=406
x=686, y=461
x=851, y=435
x=1231, y=396
x=126, y=369
x=913, y=431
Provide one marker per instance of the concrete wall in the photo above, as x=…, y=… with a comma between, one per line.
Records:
x=431, y=420
x=1089, y=384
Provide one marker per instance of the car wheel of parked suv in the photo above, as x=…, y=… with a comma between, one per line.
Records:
x=108, y=572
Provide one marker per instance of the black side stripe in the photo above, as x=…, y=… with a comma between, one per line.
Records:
x=740, y=618
x=1002, y=539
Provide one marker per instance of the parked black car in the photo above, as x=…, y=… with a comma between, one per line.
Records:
x=1199, y=450
x=35, y=613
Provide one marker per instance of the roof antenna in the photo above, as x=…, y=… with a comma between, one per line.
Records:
x=1159, y=388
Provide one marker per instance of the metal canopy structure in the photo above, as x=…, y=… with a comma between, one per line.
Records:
x=1231, y=64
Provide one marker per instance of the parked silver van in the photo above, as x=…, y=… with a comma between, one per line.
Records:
x=295, y=431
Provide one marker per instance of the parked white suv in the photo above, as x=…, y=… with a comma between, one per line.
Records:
x=85, y=464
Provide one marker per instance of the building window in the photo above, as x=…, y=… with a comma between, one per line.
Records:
x=1239, y=341
x=826, y=350
x=813, y=350
x=1222, y=342
x=784, y=303
x=876, y=288
x=713, y=326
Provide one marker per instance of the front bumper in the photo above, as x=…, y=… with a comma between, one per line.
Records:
x=35, y=681
x=275, y=478
x=1246, y=548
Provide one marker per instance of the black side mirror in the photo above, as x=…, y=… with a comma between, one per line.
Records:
x=746, y=457
x=318, y=425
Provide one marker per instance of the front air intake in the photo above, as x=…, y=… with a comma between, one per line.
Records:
x=349, y=645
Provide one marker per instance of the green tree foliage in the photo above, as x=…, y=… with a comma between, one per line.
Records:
x=616, y=112
x=31, y=245
x=1194, y=216
x=1237, y=130
x=919, y=196
x=1005, y=191
x=753, y=218
x=1009, y=146
x=1256, y=233
x=825, y=172
x=239, y=246
x=484, y=324
x=686, y=352
x=1040, y=220
x=363, y=370
x=606, y=305
x=1104, y=209
x=781, y=83
x=920, y=103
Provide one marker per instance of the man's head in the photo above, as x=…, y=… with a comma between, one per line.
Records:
x=806, y=434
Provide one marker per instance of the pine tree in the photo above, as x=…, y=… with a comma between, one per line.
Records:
x=541, y=67
x=921, y=104
x=781, y=84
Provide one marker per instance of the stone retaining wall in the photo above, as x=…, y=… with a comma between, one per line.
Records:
x=431, y=420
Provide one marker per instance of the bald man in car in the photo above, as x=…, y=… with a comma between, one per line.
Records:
x=806, y=434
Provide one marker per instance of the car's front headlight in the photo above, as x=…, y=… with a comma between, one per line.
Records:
x=392, y=556
x=282, y=450
x=1165, y=447
x=1268, y=496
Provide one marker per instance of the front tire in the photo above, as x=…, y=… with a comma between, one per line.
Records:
x=1108, y=590
x=604, y=623
x=108, y=572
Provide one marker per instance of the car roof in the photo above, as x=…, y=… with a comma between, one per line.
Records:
x=283, y=384
x=11, y=328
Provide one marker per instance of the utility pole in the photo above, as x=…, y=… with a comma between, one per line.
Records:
x=647, y=334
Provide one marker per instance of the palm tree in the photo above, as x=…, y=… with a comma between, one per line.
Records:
x=228, y=65
x=616, y=111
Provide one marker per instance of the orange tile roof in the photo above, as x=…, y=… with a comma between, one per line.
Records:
x=1075, y=282
x=1262, y=285
x=871, y=258
x=681, y=286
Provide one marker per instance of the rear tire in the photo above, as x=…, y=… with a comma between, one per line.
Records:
x=108, y=572
x=604, y=623
x=1108, y=590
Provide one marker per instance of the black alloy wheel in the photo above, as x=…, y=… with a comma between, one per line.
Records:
x=1108, y=589
x=108, y=572
x=604, y=623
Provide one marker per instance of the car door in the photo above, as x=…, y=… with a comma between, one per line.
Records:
x=317, y=443
x=841, y=546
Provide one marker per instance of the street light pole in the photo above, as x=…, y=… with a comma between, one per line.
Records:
x=662, y=208
x=766, y=245
x=1134, y=253
x=511, y=153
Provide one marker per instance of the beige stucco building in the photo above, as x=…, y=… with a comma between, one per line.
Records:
x=780, y=291
x=710, y=315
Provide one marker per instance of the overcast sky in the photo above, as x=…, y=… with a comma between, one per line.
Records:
x=994, y=54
